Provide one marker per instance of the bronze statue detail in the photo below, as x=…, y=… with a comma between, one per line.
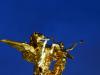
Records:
x=38, y=52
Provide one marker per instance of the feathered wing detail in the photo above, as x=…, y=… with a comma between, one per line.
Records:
x=27, y=50
x=18, y=45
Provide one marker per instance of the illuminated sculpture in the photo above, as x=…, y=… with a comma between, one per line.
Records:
x=41, y=54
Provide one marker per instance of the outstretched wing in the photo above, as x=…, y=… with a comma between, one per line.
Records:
x=19, y=46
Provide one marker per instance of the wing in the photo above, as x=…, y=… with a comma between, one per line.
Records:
x=19, y=46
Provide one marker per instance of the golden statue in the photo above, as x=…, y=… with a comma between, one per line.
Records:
x=38, y=52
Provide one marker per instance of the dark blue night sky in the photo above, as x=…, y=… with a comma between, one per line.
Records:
x=65, y=20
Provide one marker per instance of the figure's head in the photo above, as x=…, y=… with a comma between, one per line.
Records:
x=35, y=38
x=38, y=36
x=61, y=44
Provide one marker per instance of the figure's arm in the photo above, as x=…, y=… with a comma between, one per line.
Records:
x=19, y=46
x=72, y=47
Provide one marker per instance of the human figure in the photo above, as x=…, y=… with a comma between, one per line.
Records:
x=37, y=51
